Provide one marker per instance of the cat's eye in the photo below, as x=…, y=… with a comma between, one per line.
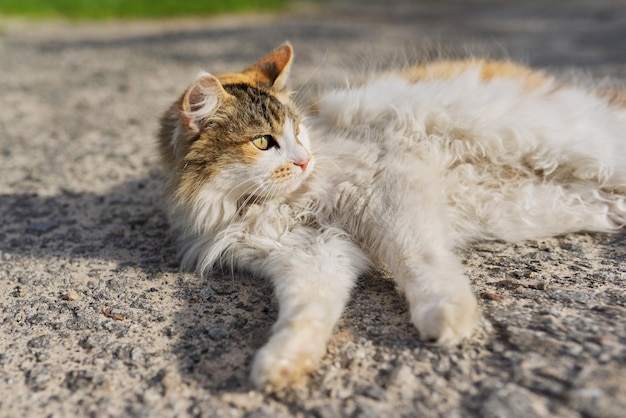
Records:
x=264, y=142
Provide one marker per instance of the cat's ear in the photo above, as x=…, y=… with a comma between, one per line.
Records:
x=272, y=71
x=201, y=100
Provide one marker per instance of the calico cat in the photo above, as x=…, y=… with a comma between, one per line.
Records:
x=395, y=171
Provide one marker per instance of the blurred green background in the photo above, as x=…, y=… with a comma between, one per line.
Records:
x=129, y=9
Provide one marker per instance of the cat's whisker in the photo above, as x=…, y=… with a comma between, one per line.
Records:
x=269, y=196
x=306, y=84
x=226, y=231
x=242, y=206
x=251, y=196
x=247, y=195
x=243, y=193
x=320, y=163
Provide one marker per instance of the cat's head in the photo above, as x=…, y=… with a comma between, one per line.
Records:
x=236, y=134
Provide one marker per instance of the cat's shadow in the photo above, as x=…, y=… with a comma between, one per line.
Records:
x=217, y=323
x=122, y=235
x=228, y=318
x=124, y=225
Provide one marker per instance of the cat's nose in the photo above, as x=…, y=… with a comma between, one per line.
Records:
x=302, y=164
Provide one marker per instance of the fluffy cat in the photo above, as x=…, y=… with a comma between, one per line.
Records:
x=396, y=171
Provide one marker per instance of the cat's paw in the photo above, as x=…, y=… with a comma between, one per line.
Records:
x=286, y=358
x=446, y=320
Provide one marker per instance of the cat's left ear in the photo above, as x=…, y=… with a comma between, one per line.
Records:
x=201, y=100
x=272, y=71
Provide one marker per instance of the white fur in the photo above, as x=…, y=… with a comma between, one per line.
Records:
x=403, y=174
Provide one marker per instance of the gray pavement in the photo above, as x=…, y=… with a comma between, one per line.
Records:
x=96, y=320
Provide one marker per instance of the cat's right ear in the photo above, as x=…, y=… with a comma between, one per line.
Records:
x=272, y=71
x=201, y=100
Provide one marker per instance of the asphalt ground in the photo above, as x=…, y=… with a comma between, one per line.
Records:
x=97, y=320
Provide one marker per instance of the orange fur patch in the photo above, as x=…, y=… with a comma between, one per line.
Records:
x=489, y=70
x=236, y=78
x=615, y=97
x=250, y=153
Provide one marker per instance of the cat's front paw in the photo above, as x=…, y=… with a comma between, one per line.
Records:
x=446, y=320
x=286, y=358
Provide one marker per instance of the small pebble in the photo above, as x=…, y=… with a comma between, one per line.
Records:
x=71, y=295
x=43, y=226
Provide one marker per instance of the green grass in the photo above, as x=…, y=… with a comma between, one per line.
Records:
x=130, y=9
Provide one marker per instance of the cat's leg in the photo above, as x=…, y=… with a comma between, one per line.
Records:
x=407, y=230
x=581, y=159
x=443, y=306
x=313, y=273
x=513, y=203
x=529, y=206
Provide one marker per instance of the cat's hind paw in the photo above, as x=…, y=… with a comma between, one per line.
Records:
x=446, y=320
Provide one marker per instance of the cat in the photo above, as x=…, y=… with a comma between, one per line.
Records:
x=396, y=171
